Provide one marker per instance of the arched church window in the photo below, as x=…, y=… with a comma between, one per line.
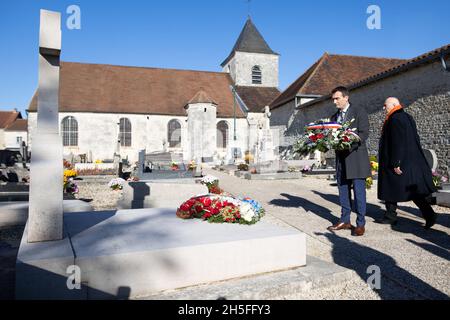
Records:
x=256, y=75
x=69, y=128
x=222, y=134
x=125, y=132
x=174, y=134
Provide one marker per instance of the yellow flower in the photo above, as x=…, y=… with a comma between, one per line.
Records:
x=248, y=156
x=98, y=161
x=369, y=182
x=70, y=173
x=374, y=165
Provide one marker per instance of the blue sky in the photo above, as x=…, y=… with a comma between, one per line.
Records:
x=199, y=34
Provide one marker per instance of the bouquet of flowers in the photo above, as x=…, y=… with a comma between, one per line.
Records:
x=374, y=167
x=69, y=174
x=174, y=166
x=212, y=183
x=192, y=165
x=438, y=179
x=116, y=183
x=219, y=209
x=325, y=135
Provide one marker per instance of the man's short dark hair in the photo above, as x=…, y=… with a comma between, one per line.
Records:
x=341, y=89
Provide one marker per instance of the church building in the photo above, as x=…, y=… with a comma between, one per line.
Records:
x=203, y=115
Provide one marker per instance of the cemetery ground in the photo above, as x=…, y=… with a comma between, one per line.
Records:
x=414, y=263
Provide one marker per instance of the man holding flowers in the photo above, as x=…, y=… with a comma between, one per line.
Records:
x=352, y=165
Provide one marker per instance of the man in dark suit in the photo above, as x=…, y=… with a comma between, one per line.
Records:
x=403, y=171
x=352, y=166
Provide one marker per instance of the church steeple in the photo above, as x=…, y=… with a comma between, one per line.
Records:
x=250, y=40
x=251, y=61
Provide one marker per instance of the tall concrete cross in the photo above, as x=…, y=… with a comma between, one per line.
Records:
x=45, y=218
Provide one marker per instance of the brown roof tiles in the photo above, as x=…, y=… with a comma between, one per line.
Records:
x=120, y=89
x=8, y=117
x=18, y=125
x=256, y=98
x=332, y=70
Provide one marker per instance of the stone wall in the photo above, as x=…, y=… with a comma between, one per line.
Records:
x=2, y=139
x=425, y=93
x=241, y=68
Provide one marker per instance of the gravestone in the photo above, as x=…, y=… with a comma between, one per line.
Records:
x=272, y=166
x=431, y=157
x=46, y=167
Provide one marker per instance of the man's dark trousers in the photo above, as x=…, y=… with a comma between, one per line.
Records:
x=345, y=187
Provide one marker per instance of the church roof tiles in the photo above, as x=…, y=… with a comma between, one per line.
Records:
x=250, y=40
x=119, y=89
x=256, y=98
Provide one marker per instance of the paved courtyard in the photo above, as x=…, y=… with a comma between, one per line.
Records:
x=414, y=263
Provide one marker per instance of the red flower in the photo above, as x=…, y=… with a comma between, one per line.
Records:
x=320, y=136
x=215, y=189
x=206, y=215
x=215, y=211
x=190, y=202
x=313, y=138
x=345, y=139
x=185, y=207
x=206, y=201
x=198, y=208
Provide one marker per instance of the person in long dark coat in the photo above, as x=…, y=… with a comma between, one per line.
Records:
x=403, y=171
x=352, y=166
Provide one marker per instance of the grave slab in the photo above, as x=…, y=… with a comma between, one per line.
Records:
x=132, y=253
x=14, y=213
x=159, y=193
x=443, y=198
x=41, y=269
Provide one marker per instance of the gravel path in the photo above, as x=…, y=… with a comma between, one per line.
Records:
x=414, y=263
x=103, y=198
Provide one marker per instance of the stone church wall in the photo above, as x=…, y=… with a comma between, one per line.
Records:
x=424, y=92
x=241, y=68
x=98, y=133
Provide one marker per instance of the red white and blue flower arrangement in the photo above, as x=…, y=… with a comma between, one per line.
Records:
x=220, y=208
x=324, y=135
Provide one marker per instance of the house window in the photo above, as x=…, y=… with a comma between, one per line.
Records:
x=174, y=134
x=19, y=141
x=222, y=134
x=69, y=131
x=125, y=132
x=256, y=75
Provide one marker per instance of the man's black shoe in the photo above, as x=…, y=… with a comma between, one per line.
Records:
x=386, y=221
x=431, y=221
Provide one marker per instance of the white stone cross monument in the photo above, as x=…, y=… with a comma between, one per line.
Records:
x=46, y=168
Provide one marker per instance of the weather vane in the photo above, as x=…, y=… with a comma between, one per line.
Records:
x=248, y=6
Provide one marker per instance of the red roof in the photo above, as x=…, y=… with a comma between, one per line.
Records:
x=407, y=65
x=121, y=89
x=18, y=125
x=8, y=117
x=332, y=70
